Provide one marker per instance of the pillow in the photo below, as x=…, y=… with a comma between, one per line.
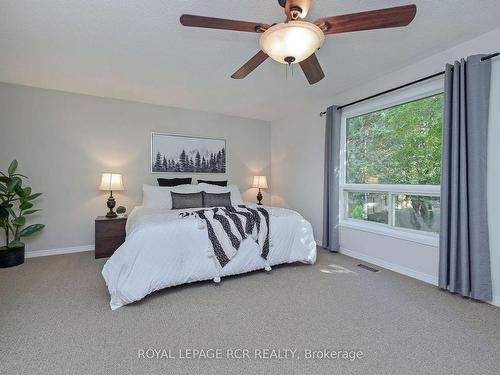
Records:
x=174, y=181
x=160, y=197
x=216, y=199
x=233, y=189
x=219, y=183
x=186, y=200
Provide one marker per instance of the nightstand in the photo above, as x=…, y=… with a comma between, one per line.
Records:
x=109, y=235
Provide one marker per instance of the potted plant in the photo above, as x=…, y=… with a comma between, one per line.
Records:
x=15, y=205
x=121, y=211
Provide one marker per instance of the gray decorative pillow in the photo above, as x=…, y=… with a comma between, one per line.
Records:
x=216, y=199
x=186, y=200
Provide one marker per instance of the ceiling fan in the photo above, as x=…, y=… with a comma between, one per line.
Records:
x=295, y=40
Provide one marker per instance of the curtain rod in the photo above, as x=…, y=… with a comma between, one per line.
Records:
x=488, y=57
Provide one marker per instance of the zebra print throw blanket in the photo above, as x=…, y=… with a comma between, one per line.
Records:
x=228, y=227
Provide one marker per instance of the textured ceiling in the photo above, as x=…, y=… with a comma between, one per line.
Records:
x=137, y=50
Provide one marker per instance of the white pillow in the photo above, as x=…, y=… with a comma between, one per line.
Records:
x=233, y=189
x=160, y=197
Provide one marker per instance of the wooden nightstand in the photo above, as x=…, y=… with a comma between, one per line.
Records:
x=109, y=235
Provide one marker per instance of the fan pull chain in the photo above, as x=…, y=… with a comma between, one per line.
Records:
x=289, y=60
x=288, y=65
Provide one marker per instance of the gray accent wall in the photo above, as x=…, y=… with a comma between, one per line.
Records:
x=64, y=141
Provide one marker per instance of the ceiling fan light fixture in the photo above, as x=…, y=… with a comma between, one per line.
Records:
x=293, y=39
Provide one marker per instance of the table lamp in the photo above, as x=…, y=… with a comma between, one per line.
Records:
x=111, y=182
x=261, y=183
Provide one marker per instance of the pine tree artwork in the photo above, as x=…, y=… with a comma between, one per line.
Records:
x=174, y=153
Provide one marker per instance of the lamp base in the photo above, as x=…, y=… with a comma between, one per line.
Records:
x=259, y=198
x=111, y=204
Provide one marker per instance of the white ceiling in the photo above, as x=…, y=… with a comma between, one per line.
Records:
x=137, y=50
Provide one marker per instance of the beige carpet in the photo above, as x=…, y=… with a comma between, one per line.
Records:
x=55, y=319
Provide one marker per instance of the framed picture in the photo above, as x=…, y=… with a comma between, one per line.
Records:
x=183, y=154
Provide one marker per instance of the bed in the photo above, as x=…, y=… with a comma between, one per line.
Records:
x=162, y=250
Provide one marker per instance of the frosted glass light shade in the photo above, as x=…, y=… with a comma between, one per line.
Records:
x=260, y=182
x=297, y=39
x=111, y=182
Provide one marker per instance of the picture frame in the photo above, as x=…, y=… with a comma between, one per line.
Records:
x=173, y=153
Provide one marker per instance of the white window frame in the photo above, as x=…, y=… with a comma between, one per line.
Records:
x=416, y=92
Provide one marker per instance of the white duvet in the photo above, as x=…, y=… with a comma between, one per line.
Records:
x=162, y=250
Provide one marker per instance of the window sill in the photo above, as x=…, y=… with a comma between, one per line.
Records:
x=424, y=239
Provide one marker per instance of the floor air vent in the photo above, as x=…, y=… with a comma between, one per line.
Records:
x=368, y=268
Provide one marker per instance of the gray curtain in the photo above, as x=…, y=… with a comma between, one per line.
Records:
x=464, y=251
x=332, y=176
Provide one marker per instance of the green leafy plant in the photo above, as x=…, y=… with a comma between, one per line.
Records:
x=121, y=210
x=358, y=212
x=16, y=203
x=397, y=145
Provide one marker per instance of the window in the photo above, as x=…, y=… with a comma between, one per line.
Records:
x=391, y=164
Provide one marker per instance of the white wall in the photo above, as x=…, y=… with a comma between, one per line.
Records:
x=297, y=155
x=297, y=149
x=64, y=141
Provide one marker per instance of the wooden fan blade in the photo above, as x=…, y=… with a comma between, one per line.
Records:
x=373, y=19
x=220, y=23
x=312, y=69
x=250, y=65
x=304, y=5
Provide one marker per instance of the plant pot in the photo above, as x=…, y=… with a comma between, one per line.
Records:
x=11, y=257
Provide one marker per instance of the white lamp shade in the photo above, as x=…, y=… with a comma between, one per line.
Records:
x=111, y=182
x=260, y=182
x=297, y=39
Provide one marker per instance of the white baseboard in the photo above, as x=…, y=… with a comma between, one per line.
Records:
x=495, y=301
x=402, y=270
x=64, y=250
x=391, y=266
